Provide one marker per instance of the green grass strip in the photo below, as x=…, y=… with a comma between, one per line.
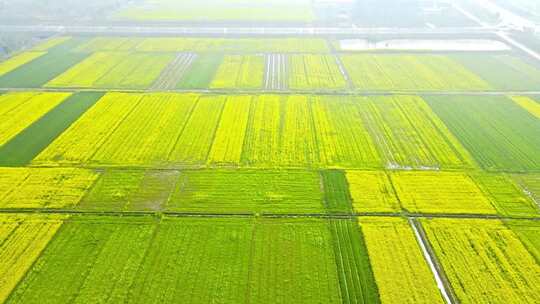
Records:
x=356, y=278
x=336, y=192
x=202, y=72
x=22, y=149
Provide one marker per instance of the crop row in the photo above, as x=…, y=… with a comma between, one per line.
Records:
x=268, y=191
x=136, y=63
x=219, y=45
x=258, y=131
x=186, y=130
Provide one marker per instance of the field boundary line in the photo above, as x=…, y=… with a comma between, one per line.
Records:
x=440, y=277
x=322, y=92
x=248, y=214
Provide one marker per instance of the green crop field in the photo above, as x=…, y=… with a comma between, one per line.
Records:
x=268, y=151
x=487, y=125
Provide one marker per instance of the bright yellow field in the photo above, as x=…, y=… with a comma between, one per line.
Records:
x=114, y=70
x=239, y=72
x=229, y=140
x=22, y=239
x=148, y=134
x=410, y=72
x=315, y=72
x=484, y=261
x=401, y=272
x=44, y=187
x=371, y=191
x=17, y=61
x=82, y=139
x=440, y=192
x=528, y=104
x=20, y=110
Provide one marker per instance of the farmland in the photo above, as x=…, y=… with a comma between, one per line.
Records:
x=314, y=72
x=400, y=271
x=113, y=70
x=484, y=260
x=485, y=125
x=396, y=72
x=151, y=166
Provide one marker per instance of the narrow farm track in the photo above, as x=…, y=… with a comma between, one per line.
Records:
x=264, y=215
x=287, y=92
x=440, y=277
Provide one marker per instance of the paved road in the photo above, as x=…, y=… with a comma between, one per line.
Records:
x=160, y=30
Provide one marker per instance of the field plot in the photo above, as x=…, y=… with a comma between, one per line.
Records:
x=528, y=104
x=280, y=133
x=130, y=190
x=529, y=234
x=440, y=192
x=503, y=72
x=39, y=71
x=26, y=145
x=229, y=139
x=400, y=270
x=114, y=70
x=337, y=198
x=506, y=196
x=174, y=72
x=20, y=110
x=315, y=72
x=484, y=261
x=354, y=270
x=22, y=239
x=44, y=188
x=239, y=72
x=80, y=141
x=496, y=131
x=247, y=191
x=148, y=134
x=92, y=259
x=18, y=60
x=341, y=134
x=196, y=261
x=371, y=191
x=409, y=134
x=277, y=71
x=293, y=262
x=193, y=145
x=205, y=45
x=201, y=72
x=401, y=72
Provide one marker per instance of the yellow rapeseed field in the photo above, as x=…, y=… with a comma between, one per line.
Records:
x=20, y=110
x=371, y=191
x=484, y=260
x=400, y=270
x=22, y=239
x=440, y=192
